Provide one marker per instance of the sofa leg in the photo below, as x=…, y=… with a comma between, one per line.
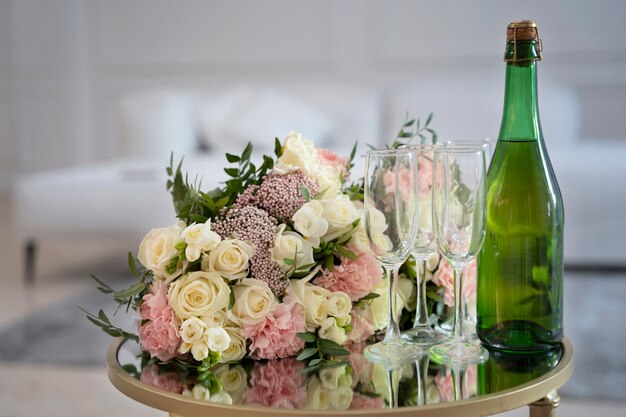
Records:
x=30, y=253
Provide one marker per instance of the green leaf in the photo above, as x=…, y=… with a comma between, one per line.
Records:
x=233, y=172
x=278, y=148
x=288, y=261
x=409, y=123
x=314, y=362
x=247, y=152
x=321, y=194
x=130, y=291
x=232, y=158
x=307, y=337
x=231, y=299
x=369, y=296
x=132, y=265
x=332, y=348
x=309, y=369
x=307, y=353
x=305, y=267
x=305, y=193
x=430, y=117
x=345, y=253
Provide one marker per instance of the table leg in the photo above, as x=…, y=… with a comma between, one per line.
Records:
x=545, y=407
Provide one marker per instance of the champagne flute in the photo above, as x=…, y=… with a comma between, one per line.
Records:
x=422, y=333
x=391, y=210
x=459, y=223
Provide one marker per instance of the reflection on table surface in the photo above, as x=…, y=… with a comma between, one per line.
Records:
x=356, y=383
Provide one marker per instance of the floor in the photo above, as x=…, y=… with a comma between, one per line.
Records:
x=27, y=390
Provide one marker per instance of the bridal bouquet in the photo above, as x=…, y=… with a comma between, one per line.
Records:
x=272, y=264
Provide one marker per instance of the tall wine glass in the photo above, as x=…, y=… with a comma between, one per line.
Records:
x=422, y=333
x=459, y=220
x=391, y=210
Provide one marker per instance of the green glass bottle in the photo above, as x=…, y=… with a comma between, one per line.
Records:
x=520, y=267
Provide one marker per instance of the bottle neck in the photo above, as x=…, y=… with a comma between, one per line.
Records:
x=520, y=118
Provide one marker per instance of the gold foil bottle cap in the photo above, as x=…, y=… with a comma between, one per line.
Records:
x=522, y=30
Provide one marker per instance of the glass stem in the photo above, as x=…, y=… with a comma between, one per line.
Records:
x=421, y=309
x=457, y=330
x=393, y=329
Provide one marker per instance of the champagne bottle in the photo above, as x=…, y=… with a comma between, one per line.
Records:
x=520, y=267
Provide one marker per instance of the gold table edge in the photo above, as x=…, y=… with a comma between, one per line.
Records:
x=485, y=405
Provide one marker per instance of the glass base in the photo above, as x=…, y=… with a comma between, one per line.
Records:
x=458, y=352
x=423, y=336
x=393, y=352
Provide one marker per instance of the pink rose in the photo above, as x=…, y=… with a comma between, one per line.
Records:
x=361, y=322
x=444, y=277
x=405, y=186
x=363, y=402
x=275, y=335
x=168, y=381
x=331, y=159
x=277, y=384
x=160, y=335
x=356, y=278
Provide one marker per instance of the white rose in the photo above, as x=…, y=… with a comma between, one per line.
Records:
x=253, y=301
x=376, y=221
x=192, y=330
x=332, y=378
x=198, y=294
x=312, y=298
x=432, y=262
x=200, y=392
x=382, y=243
x=379, y=307
x=221, y=398
x=361, y=242
x=199, y=238
x=328, y=180
x=331, y=331
x=340, y=213
x=234, y=380
x=310, y=223
x=237, y=348
x=317, y=397
x=157, y=249
x=217, y=319
x=406, y=291
x=217, y=339
x=290, y=244
x=200, y=350
x=341, y=398
x=297, y=155
x=230, y=259
x=426, y=214
x=339, y=305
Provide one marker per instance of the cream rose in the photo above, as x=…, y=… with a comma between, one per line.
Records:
x=237, y=348
x=290, y=244
x=379, y=307
x=406, y=292
x=199, y=238
x=339, y=305
x=297, y=155
x=432, y=262
x=217, y=319
x=310, y=223
x=230, y=259
x=340, y=213
x=199, y=392
x=337, y=376
x=312, y=298
x=221, y=398
x=217, y=339
x=253, y=301
x=198, y=294
x=157, y=249
x=234, y=380
x=328, y=180
x=331, y=331
x=341, y=398
x=317, y=397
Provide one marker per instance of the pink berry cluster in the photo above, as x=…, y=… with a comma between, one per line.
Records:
x=280, y=195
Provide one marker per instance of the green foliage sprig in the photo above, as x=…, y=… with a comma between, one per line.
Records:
x=412, y=129
x=321, y=353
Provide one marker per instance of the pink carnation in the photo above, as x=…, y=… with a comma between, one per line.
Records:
x=361, y=322
x=445, y=384
x=425, y=177
x=444, y=276
x=361, y=366
x=277, y=384
x=275, y=335
x=363, y=402
x=329, y=158
x=356, y=278
x=160, y=335
x=168, y=381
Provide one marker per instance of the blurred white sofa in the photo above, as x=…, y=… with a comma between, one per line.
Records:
x=125, y=197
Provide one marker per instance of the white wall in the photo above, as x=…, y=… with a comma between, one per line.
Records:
x=64, y=64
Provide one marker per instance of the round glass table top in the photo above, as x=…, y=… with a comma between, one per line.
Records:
x=354, y=387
